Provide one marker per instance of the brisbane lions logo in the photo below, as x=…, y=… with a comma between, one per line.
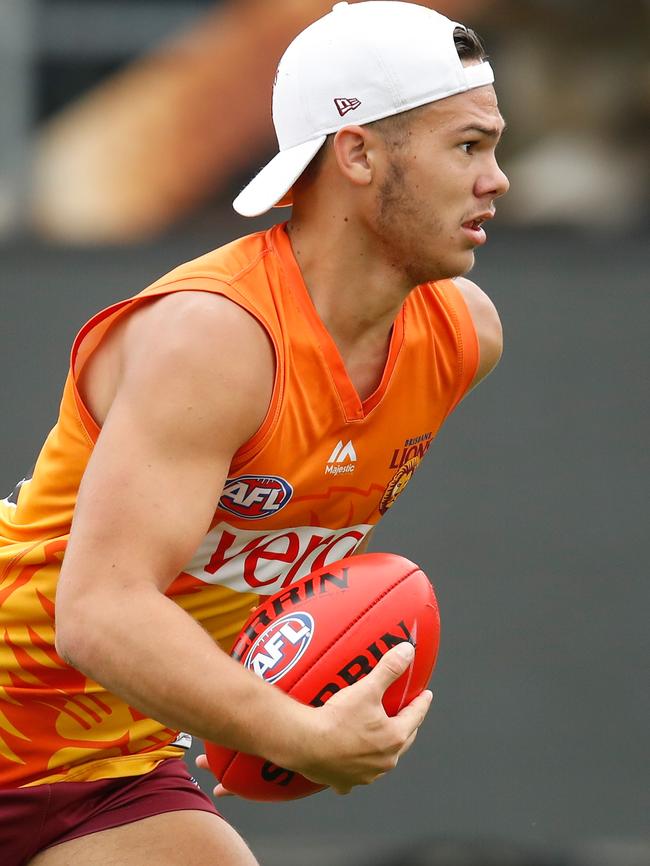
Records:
x=255, y=496
x=397, y=484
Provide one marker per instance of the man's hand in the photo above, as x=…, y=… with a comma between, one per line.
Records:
x=352, y=741
x=355, y=742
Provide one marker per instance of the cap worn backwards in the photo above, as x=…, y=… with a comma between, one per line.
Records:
x=359, y=63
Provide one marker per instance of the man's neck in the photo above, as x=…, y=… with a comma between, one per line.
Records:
x=355, y=291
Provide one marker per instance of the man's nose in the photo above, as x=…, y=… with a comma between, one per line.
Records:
x=494, y=183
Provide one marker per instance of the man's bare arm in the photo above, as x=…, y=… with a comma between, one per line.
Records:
x=194, y=380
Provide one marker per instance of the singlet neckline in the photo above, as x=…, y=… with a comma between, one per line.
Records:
x=354, y=407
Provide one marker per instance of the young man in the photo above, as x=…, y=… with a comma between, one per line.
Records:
x=245, y=420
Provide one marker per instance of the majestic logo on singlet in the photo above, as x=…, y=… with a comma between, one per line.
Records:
x=280, y=646
x=342, y=459
x=255, y=496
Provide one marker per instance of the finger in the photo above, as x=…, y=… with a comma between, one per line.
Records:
x=407, y=745
x=413, y=714
x=343, y=791
x=202, y=762
x=391, y=666
x=220, y=791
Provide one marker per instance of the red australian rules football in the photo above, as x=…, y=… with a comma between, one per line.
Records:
x=323, y=633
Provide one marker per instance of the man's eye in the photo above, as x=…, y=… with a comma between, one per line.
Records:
x=468, y=145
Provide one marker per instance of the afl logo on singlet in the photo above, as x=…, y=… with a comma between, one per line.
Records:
x=255, y=496
x=280, y=646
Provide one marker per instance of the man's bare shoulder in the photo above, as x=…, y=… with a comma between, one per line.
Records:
x=476, y=299
x=198, y=344
x=487, y=324
x=192, y=321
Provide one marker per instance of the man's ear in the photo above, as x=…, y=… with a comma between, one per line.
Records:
x=354, y=153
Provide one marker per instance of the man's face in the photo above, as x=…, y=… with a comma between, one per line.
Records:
x=438, y=184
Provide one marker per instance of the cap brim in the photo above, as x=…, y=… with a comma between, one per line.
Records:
x=277, y=177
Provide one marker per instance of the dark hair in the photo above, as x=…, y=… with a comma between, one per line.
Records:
x=470, y=49
x=469, y=45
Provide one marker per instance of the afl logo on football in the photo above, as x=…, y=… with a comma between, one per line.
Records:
x=280, y=646
x=255, y=496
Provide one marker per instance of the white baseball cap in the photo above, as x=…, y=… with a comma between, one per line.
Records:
x=359, y=63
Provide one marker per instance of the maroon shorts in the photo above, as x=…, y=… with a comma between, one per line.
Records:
x=43, y=815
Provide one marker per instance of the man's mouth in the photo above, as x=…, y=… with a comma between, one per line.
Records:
x=476, y=221
x=473, y=227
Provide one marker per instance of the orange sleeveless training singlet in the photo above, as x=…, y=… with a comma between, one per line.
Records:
x=302, y=492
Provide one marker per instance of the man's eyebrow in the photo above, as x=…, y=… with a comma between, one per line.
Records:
x=489, y=131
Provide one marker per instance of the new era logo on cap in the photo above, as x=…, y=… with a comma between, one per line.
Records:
x=345, y=105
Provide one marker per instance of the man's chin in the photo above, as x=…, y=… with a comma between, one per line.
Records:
x=457, y=266
x=462, y=265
